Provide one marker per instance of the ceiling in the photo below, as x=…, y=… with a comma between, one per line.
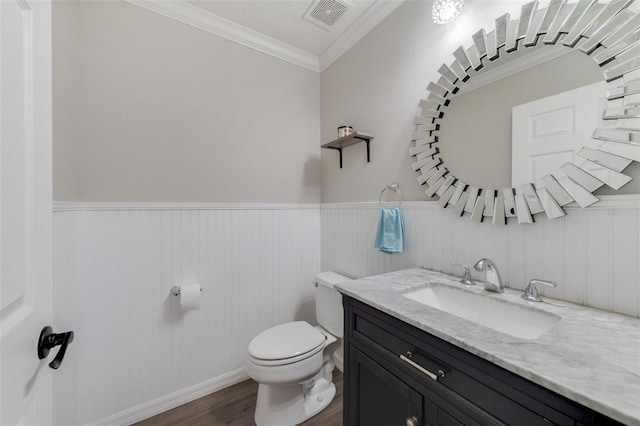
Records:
x=278, y=27
x=283, y=20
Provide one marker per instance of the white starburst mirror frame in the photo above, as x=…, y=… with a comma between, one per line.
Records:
x=610, y=34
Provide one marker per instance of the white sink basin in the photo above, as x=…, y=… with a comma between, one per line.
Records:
x=505, y=317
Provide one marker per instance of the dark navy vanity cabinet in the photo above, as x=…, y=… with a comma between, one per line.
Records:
x=397, y=374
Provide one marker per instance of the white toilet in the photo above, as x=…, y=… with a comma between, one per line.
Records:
x=293, y=362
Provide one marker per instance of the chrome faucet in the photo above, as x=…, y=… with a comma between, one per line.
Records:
x=492, y=278
x=531, y=292
x=466, y=278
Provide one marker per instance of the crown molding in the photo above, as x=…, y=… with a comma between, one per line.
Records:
x=201, y=19
x=369, y=20
x=196, y=17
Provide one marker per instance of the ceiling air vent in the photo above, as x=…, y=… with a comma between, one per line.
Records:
x=325, y=13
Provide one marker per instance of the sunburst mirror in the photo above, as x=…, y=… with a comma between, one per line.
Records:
x=607, y=33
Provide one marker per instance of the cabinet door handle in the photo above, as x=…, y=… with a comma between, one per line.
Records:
x=434, y=376
x=412, y=421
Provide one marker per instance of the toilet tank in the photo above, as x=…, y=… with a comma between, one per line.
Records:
x=329, y=302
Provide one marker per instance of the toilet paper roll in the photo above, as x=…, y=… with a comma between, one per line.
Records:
x=190, y=297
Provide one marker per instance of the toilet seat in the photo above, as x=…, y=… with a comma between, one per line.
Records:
x=286, y=343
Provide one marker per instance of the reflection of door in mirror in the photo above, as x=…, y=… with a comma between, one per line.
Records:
x=475, y=131
x=548, y=132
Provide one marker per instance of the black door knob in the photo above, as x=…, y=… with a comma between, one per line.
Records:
x=48, y=339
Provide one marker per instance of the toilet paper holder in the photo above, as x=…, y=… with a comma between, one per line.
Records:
x=175, y=290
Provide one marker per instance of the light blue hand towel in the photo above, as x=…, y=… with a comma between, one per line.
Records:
x=390, y=235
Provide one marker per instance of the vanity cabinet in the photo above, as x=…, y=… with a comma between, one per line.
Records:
x=397, y=374
x=383, y=398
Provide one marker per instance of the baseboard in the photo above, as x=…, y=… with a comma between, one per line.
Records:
x=173, y=400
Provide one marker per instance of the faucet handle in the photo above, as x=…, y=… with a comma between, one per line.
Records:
x=466, y=278
x=531, y=292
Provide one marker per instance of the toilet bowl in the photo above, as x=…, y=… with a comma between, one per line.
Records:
x=293, y=362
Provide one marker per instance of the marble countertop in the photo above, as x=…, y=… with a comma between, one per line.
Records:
x=590, y=356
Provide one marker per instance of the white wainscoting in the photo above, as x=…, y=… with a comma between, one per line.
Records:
x=593, y=254
x=136, y=353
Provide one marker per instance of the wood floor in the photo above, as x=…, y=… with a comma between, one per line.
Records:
x=235, y=405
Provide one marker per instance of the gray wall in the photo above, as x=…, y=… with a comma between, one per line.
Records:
x=149, y=109
x=376, y=87
x=66, y=95
x=169, y=113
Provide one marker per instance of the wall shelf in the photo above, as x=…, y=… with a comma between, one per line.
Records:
x=349, y=140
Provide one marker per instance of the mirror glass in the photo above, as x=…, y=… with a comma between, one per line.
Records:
x=477, y=124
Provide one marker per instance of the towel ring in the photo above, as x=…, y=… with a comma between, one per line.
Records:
x=391, y=187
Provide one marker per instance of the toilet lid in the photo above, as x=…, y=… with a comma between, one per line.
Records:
x=286, y=341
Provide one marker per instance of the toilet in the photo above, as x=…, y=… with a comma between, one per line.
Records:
x=293, y=362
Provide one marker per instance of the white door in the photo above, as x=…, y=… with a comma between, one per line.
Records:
x=548, y=132
x=26, y=297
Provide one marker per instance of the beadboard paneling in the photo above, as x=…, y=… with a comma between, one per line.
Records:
x=134, y=345
x=593, y=254
x=136, y=353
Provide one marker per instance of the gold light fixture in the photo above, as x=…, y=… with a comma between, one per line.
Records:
x=445, y=11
